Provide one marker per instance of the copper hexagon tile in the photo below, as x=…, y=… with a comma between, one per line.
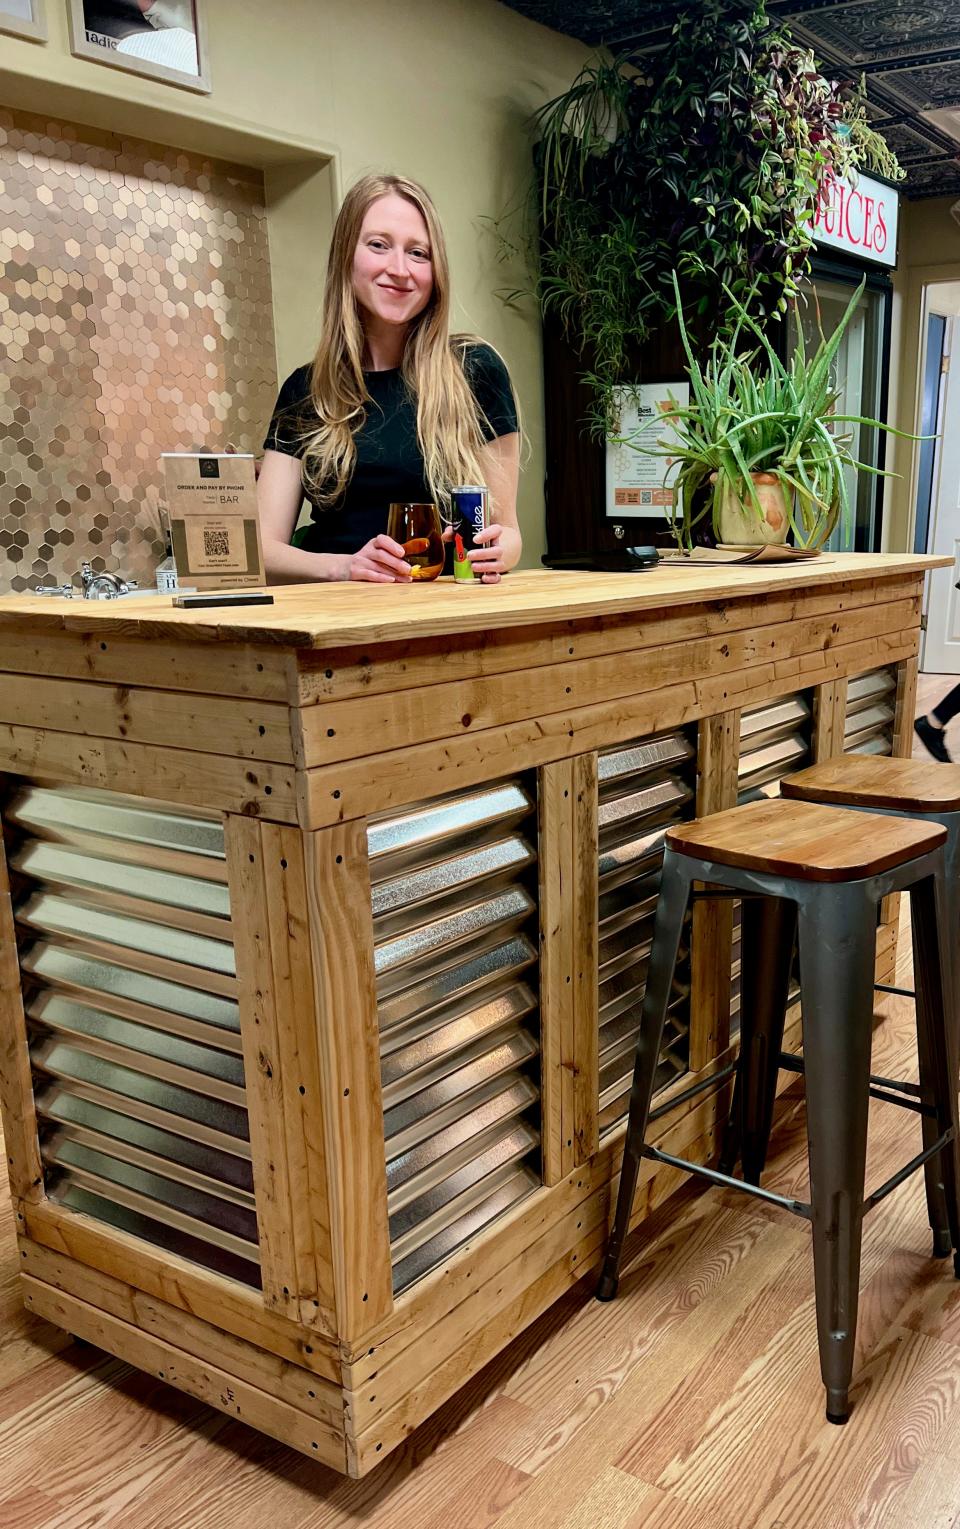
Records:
x=135, y=318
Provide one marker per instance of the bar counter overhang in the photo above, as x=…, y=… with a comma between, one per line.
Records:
x=326, y=939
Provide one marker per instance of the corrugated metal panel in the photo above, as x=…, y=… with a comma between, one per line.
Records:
x=774, y=740
x=92, y=817
x=452, y=885
x=126, y=953
x=871, y=707
x=735, y=968
x=643, y=788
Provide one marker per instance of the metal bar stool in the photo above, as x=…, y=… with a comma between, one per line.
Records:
x=916, y=788
x=833, y=866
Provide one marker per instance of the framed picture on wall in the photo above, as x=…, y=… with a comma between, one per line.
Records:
x=24, y=18
x=161, y=38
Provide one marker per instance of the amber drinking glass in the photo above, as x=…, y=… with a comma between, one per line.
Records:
x=417, y=528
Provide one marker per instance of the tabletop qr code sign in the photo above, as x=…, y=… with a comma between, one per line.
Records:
x=214, y=525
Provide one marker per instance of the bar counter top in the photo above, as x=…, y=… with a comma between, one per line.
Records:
x=324, y=930
x=342, y=615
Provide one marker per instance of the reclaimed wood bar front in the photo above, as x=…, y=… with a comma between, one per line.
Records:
x=324, y=933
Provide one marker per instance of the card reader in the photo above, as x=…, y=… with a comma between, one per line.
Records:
x=617, y=560
x=207, y=597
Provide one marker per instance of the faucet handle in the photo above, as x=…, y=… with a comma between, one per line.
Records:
x=62, y=591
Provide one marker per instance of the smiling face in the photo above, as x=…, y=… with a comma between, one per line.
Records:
x=392, y=267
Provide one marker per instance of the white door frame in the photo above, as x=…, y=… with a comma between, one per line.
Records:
x=940, y=652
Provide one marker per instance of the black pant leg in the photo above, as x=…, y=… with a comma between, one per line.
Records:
x=948, y=708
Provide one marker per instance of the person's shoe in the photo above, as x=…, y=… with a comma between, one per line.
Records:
x=932, y=739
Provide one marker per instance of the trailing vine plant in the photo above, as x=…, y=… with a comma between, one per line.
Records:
x=705, y=159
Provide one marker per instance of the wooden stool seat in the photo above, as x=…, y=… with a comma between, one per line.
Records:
x=876, y=780
x=805, y=841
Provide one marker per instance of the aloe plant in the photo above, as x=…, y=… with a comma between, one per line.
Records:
x=751, y=412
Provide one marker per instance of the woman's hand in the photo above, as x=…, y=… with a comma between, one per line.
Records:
x=495, y=551
x=486, y=557
x=379, y=561
x=490, y=556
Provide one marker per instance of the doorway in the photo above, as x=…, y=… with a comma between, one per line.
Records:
x=860, y=370
x=937, y=516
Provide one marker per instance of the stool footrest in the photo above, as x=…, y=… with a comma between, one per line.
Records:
x=878, y=1086
x=691, y=1092
x=796, y=1207
x=903, y=1104
x=901, y=992
x=904, y=1173
x=913, y=1089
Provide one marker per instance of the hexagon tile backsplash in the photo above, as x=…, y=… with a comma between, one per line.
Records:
x=135, y=318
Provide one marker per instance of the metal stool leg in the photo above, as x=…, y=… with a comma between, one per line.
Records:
x=925, y=949
x=934, y=962
x=837, y=955
x=951, y=888
x=667, y=929
x=769, y=926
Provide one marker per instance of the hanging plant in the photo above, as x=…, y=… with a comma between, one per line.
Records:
x=708, y=165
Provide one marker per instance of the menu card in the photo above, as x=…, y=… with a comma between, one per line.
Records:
x=637, y=477
x=214, y=526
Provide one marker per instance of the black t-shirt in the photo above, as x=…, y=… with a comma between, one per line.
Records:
x=389, y=466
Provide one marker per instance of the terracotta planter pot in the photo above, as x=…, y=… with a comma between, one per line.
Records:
x=737, y=522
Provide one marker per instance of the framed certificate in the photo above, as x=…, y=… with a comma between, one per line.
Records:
x=162, y=38
x=637, y=483
x=23, y=18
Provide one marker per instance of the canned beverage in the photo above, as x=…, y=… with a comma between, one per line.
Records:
x=470, y=504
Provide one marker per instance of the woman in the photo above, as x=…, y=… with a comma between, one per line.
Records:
x=393, y=408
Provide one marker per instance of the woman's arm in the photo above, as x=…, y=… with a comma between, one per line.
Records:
x=500, y=545
x=279, y=496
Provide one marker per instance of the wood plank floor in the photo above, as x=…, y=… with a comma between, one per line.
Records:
x=692, y=1402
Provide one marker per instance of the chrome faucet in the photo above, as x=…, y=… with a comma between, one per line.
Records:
x=93, y=586
x=101, y=586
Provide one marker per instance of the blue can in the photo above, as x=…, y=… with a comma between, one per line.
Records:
x=470, y=503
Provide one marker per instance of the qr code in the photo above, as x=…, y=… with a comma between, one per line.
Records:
x=216, y=543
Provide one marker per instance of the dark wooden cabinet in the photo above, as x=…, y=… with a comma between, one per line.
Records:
x=575, y=482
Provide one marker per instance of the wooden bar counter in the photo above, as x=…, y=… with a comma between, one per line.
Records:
x=324, y=935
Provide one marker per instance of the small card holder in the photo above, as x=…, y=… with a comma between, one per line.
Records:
x=207, y=597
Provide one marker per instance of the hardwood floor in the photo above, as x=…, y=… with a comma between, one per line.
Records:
x=691, y=1402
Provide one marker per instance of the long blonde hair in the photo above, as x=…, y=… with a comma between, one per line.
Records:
x=449, y=420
